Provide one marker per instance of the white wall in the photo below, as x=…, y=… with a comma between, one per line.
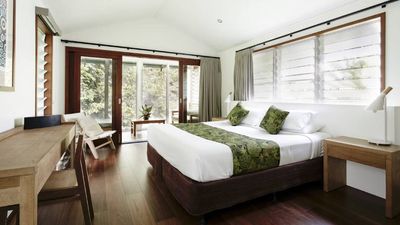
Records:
x=58, y=76
x=346, y=120
x=146, y=33
x=20, y=103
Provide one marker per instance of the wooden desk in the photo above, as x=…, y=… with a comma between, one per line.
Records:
x=338, y=150
x=27, y=159
x=136, y=122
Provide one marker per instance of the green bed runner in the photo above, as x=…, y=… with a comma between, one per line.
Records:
x=249, y=154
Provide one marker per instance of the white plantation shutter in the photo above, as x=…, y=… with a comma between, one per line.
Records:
x=41, y=73
x=350, y=60
x=263, y=67
x=296, y=71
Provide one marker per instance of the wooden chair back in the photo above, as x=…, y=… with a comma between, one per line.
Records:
x=82, y=189
x=83, y=180
x=78, y=156
x=80, y=166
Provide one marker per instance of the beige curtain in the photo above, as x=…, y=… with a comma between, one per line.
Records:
x=210, y=89
x=243, y=76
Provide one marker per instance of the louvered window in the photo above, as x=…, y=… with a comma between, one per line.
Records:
x=44, y=47
x=351, y=62
x=296, y=71
x=263, y=75
x=339, y=66
x=41, y=74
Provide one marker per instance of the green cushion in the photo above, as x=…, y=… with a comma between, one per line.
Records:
x=273, y=120
x=237, y=114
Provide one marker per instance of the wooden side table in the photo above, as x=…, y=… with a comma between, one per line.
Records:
x=338, y=150
x=136, y=122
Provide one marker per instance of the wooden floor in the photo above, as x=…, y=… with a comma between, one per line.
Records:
x=124, y=192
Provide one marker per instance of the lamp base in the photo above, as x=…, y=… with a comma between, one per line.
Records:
x=380, y=142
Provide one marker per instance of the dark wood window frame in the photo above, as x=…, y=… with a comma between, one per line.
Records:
x=48, y=67
x=72, y=79
x=382, y=17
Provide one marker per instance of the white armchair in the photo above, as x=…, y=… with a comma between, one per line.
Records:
x=91, y=131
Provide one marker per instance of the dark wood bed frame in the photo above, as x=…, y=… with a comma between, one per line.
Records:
x=200, y=198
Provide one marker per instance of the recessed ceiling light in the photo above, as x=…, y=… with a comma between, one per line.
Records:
x=219, y=20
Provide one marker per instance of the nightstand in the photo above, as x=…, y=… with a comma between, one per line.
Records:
x=218, y=118
x=338, y=150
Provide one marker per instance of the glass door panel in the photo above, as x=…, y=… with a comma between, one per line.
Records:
x=173, y=94
x=96, y=89
x=193, y=86
x=129, y=91
x=191, y=92
x=153, y=82
x=154, y=89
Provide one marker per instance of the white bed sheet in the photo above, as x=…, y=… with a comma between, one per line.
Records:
x=203, y=160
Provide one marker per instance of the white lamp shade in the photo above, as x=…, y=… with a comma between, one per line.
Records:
x=228, y=98
x=377, y=104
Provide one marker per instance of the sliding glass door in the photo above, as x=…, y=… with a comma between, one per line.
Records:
x=151, y=82
x=129, y=93
x=190, y=93
x=173, y=93
x=112, y=87
x=96, y=89
x=154, y=89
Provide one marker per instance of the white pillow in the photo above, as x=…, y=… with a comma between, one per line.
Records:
x=90, y=126
x=297, y=120
x=302, y=122
x=312, y=127
x=254, y=117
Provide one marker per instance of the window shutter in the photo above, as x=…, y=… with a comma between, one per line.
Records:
x=41, y=73
x=351, y=62
x=296, y=71
x=336, y=66
x=263, y=67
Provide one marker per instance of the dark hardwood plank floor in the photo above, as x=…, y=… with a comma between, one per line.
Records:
x=124, y=192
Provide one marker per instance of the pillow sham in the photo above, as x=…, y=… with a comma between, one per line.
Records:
x=254, y=117
x=303, y=122
x=237, y=114
x=312, y=127
x=297, y=120
x=273, y=120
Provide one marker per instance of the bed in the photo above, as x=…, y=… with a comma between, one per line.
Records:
x=199, y=172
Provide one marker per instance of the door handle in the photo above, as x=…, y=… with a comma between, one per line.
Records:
x=119, y=101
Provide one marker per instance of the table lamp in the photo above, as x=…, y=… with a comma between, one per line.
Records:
x=379, y=104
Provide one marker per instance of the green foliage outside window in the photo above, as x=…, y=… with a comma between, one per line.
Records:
x=129, y=77
x=96, y=84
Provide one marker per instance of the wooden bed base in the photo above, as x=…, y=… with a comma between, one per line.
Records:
x=200, y=198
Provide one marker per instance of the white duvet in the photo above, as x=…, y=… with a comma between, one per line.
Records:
x=203, y=160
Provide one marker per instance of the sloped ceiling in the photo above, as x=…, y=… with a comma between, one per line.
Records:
x=242, y=19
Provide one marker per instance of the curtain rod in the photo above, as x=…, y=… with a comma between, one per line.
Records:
x=327, y=22
x=133, y=48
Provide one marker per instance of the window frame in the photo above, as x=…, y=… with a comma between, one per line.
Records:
x=40, y=24
x=318, y=34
